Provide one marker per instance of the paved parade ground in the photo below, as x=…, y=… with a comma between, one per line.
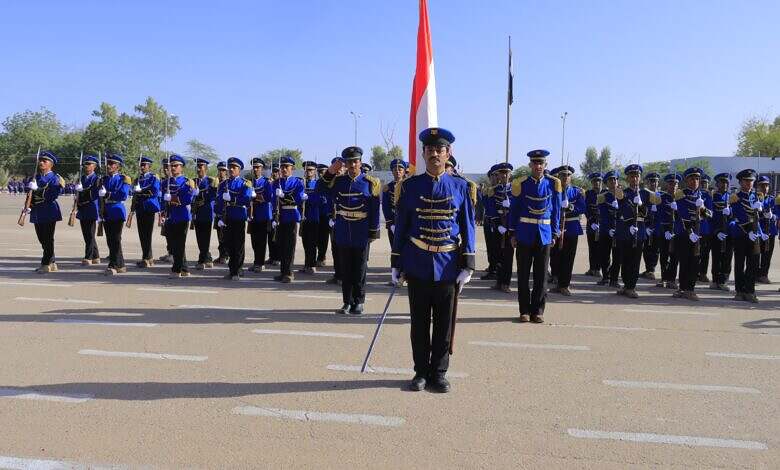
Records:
x=142, y=371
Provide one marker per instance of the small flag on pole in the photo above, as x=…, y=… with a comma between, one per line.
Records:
x=511, y=97
x=423, y=113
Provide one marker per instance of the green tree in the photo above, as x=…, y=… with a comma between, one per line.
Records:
x=661, y=167
x=380, y=160
x=605, y=159
x=197, y=149
x=692, y=162
x=23, y=133
x=759, y=136
x=273, y=156
x=591, y=162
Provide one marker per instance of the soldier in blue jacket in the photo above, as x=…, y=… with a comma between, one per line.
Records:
x=706, y=229
x=434, y=250
x=497, y=208
x=323, y=228
x=311, y=218
x=768, y=221
x=534, y=216
x=273, y=247
x=745, y=232
x=489, y=227
x=609, y=249
x=146, y=204
x=233, y=198
x=664, y=232
x=202, y=210
x=114, y=189
x=164, y=175
x=87, y=209
x=45, y=211
x=288, y=196
x=356, y=224
x=721, y=246
x=222, y=256
x=592, y=223
x=261, y=214
x=564, y=251
x=177, y=197
x=398, y=168
x=690, y=212
x=650, y=250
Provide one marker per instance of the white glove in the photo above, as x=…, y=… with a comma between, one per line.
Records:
x=274, y=224
x=693, y=237
x=594, y=227
x=332, y=222
x=721, y=236
x=727, y=210
x=137, y=188
x=752, y=236
x=565, y=204
x=758, y=205
x=673, y=205
x=304, y=197
x=633, y=229
x=463, y=278
x=764, y=237
x=253, y=194
x=501, y=229
x=637, y=200
x=226, y=196
x=506, y=203
x=700, y=202
x=668, y=235
x=392, y=229
x=769, y=214
x=612, y=232
x=395, y=276
x=195, y=191
x=28, y=211
x=279, y=192
x=102, y=191
x=649, y=232
x=615, y=204
x=32, y=185
x=653, y=208
x=167, y=197
x=220, y=224
x=79, y=188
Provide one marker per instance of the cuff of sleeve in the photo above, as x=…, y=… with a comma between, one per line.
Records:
x=373, y=234
x=469, y=261
x=395, y=260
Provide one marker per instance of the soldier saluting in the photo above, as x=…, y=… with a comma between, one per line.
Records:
x=434, y=249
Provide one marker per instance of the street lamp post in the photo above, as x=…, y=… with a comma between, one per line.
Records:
x=563, y=134
x=356, y=116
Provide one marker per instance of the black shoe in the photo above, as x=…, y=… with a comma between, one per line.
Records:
x=417, y=384
x=343, y=310
x=603, y=282
x=356, y=309
x=614, y=284
x=488, y=276
x=438, y=384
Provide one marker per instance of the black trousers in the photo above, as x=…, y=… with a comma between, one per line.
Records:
x=285, y=242
x=562, y=259
x=593, y=251
x=767, y=248
x=431, y=302
x=745, y=265
x=722, y=252
x=609, y=258
x=113, y=230
x=176, y=234
x=687, y=260
x=506, y=254
x=337, y=274
x=45, y=233
x=630, y=257
x=88, y=229
x=234, y=238
x=667, y=257
x=354, y=262
x=145, y=224
x=534, y=257
x=309, y=242
x=258, y=233
x=704, y=257
x=221, y=246
x=650, y=254
x=323, y=236
x=490, y=246
x=203, y=237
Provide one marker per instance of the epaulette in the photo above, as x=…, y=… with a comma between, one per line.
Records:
x=191, y=183
x=490, y=191
x=127, y=179
x=654, y=198
x=212, y=182
x=248, y=183
x=619, y=193
x=376, y=185
x=679, y=194
x=399, y=189
x=557, y=183
x=734, y=198
x=62, y=181
x=777, y=199
x=472, y=191
x=517, y=185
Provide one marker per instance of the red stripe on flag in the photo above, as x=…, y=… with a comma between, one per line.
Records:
x=421, y=76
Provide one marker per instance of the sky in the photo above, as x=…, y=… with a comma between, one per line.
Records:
x=654, y=80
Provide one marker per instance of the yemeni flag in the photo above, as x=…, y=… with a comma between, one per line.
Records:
x=423, y=113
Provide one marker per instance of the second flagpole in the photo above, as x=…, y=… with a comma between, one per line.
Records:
x=509, y=100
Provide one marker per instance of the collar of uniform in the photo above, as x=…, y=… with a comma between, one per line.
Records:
x=435, y=177
x=537, y=181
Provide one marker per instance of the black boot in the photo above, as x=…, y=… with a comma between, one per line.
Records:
x=343, y=310
x=418, y=383
x=438, y=384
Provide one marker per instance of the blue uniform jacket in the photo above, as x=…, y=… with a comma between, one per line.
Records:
x=148, y=200
x=706, y=223
x=240, y=196
x=356, y=202
x=388, y=203
x=685, y=222
x=262, y=210
x=769, y=219
x=535, y=211
x=629, y=215
x=44, y=199
x=288, y=204
x=573, y=214
x=311, y=205
x=719, y=222
x=202, y=207
x=434, y=227
x=592, y=208
x=495, y=212
x=118, y=188
x=743, y=216
x=608, y=215
x=87, y=205
x=664, y=217
x=177, y=210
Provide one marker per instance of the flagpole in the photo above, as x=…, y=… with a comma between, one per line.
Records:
x=509, y=99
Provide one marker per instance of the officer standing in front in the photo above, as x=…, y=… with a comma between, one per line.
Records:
x=146, y=200
x=202, y=210
x=356, y=204
x=233, y=198
x=434, y=250
x=535, y=215
x=179, y=192
x=87, y=213
x=45, y=210
x=115, y=187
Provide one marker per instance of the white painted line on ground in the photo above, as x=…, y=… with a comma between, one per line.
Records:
x=33, y=395
x=178, y=291
x=693, y=441
x=221, y=307
x=307, y=333
x=18, y=463
x=255, y=318
x=599, y=327
x=143, y=355
x=300, y=415
x=744, y=356
x=488, y=304
x=672, y=312
x=104, y=323
x=308, y=296
x=387, y=370
x=34, y=284
x=101, y=314
x=684, y=387
x=66, y=301
x=21, y=249
x=561, y=347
